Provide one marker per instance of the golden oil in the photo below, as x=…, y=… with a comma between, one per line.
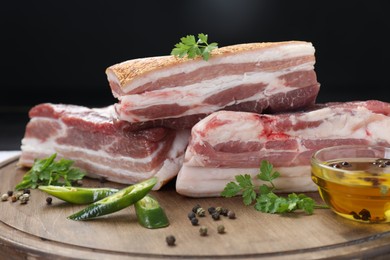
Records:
x=355, y=188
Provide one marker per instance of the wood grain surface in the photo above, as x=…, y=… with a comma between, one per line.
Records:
x=40, y=231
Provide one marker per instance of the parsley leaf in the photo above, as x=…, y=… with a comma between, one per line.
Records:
x=231, y=190
x=192, y=48
x=266, y=200
x=267, y=173
x=47, y=171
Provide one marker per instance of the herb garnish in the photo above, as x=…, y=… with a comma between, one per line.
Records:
x=193, y=48
x=47, y=171
x=266, y=200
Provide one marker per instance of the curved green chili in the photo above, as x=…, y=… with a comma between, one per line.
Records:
x=150, y=214
x=115, y=202
x=78, y=195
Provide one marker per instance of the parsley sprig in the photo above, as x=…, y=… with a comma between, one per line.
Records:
x=47, y=171
x=265, y=200
x=192, y=48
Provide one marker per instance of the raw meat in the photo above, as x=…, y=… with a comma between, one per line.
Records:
x=227, y=143
x=177, y=93
x=102, y=145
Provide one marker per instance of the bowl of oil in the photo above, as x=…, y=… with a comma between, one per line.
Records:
x=354, y=181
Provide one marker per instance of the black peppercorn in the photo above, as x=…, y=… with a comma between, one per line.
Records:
x=224, y=212
x=211, y=210
x=195, y=208
x=215, y=215
x=26, y=191
x=10, y=193
x=231, y=214
x=194, y=221
x=49, y=200
x=335, y=165
x=365, y=214
x=355, y=215
x=191, y=215
x=170, y=240
x=345, y=164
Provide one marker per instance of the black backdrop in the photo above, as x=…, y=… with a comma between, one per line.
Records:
x=57, y=51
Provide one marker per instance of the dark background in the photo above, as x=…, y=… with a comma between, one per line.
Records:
x=57, y=51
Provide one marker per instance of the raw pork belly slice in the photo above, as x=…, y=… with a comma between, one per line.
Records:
x=226, y=144
x=253, y=77
x=101, y=145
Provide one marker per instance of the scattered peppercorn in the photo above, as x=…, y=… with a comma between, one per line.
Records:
x=355, y=215
x=24, y=198
x=10, y=193
x=194, y=221
x=375, y=181
x=218, y=209
x=335, y=165
x=221, y=229
x=231, y=214
x=170, y=240
x=346, y=164
x=215, y=215
x=203, y=231
x=18, y=194
x=195, y=208
x=224, y=212
x=191, y=215
x=4, y=197
x=13, y=198
x=365, y=214
x=49, y=200
x=211, y=210
x=26, y=191
x=200, y=212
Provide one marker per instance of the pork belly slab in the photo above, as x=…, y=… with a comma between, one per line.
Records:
x=227, y=143
x=177, y=93
x=102, y=145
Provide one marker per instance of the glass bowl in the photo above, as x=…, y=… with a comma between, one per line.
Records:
x=354, y=181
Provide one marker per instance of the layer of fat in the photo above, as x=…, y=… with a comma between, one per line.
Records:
x=193, y=95
x=166, y=171
x=335, y=123
x=230, y=126
x=210, y=182
x=277, y=53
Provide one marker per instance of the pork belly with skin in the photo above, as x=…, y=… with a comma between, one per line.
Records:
x=177, y=93
x=227, y=143
x=102, y=145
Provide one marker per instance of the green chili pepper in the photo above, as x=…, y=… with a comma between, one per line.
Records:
x=78, y=195
x=150, y=214
x=115, y=202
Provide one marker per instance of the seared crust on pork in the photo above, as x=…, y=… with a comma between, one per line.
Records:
x=127, y=71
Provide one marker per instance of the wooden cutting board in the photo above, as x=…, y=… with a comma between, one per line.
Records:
x=42, y=231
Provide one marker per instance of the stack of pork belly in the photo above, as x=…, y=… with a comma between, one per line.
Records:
x=241, y=106
x=160, y=99
x=227, y=143
x=102, y=145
